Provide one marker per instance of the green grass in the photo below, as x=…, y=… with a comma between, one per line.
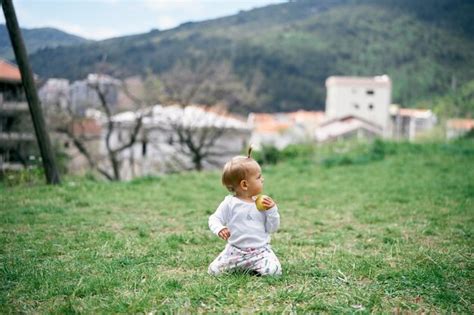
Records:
x=382, y=235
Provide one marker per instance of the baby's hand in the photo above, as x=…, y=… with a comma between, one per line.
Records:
x=224, y=234
x=268, y=202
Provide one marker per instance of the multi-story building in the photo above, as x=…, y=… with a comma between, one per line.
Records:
x=361, y=107
x=18, y=147
x=81, y=95
x=368, y=98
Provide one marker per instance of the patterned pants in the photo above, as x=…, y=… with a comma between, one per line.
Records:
x=261, y=260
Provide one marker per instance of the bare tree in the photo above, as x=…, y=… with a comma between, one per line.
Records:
x=113, y=153
x=198, y=138
x=211, y=83
x=193, y=136
x=74, y=127
x=187, y=85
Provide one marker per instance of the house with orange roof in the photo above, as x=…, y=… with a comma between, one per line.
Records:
x=409, y=123
x=456, y=128
x=10, y=82
x=281, y=129
x=17, y=141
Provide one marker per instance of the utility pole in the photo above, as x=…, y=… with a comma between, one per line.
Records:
x=49, y=163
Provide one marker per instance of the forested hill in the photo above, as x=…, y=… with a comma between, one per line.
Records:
x=277, y=58
x=36, y=39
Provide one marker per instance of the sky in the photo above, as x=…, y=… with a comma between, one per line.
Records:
x=101, y=19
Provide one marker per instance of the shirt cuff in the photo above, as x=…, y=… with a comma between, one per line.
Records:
x=218, y=229
x=272, y=210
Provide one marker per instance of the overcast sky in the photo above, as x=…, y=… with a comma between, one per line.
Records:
x=100, y=19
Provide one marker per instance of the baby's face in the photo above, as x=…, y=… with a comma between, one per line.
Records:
x=255, y=180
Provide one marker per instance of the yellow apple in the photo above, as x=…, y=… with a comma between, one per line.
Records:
x=259, y=202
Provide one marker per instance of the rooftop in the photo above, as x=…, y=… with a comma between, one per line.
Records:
x=190, y=117
x=9, y=72
x=276, y=122
x=339, y=127
x=465, y=124
x=377, y=80
x=415, y=113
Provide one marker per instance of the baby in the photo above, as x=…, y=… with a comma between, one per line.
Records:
x=246, y=229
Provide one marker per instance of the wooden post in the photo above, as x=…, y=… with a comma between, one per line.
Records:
x=49, y=164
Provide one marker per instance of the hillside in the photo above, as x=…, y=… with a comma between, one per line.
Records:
x=277, y=58
x=393, y=235
x=36, y=39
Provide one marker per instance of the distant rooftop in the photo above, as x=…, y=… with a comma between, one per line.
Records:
x=276, y=122
x=192, y=116
x=335, y=128
x=377, y=80
x=9, y=72
x=464, y=124
x=414, y=112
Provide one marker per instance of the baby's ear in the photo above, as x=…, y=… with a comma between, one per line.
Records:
x=243, y=184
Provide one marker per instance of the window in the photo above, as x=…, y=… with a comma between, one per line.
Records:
x=370, y=92
x=144, y=145
x=371, y=106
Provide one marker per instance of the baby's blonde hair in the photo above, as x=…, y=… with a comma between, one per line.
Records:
x=236, y=170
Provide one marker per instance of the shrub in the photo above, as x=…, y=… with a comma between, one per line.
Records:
x=301, y=151
x=371, y=153
x=271, y=155
x=28, y=176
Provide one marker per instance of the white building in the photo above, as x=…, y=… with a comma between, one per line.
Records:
x=408, y=123
x=54, y=92
x=83, y=94
x=368, y=98
x=348, y=127
x=80, y=95
x=160, y=148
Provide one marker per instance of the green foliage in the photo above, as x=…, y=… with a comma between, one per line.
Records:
x=328, y=155
x=298, y=151
x=268, y=154
x=458, y=102
x=469, y=134
x=421, y=47
x=153, y=89
x=26, y=177
x=373, y=152
x=62, y=158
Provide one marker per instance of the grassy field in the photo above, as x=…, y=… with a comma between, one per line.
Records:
x=382, y=230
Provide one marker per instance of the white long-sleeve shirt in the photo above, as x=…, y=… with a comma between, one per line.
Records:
x=249, y=228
